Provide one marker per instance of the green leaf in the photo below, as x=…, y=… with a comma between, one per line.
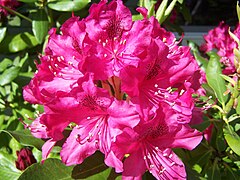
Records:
x=68, y=5
x=25, y=138
x=51, y=169
x=214, y=79
x=202, y=62
x=40, y=25
x=238, y=105
x=214, y=171
x=3, y=31
x=232, y=139
x=238, y=11
x=161, y=10
x=92, y=168
x=28, y=1
x=8, y=75
x=180, y=1
x=5, y=63
x=18, y=42
x=8, y=171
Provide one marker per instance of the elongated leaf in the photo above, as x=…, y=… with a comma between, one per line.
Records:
x=8, y=171
x=4, y=64
x=68, y=5
x=161, y=10
x=25, y=138
x=238, y=105
x=238, y=11
x=202, y=62
x=51, y=169
x=214, y=79
x=3, y=31
x=8, y=75
x=40, y=25
x=233, y=140
x=16, y=43
x=214, y=172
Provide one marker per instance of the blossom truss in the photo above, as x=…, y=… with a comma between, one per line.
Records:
x=220, y=39
x=122, y=87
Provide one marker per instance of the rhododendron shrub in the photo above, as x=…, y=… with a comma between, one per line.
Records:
x=122, y=87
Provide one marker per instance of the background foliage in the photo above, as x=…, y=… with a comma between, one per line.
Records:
x=23, y=34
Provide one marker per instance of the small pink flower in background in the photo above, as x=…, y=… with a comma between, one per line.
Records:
x=25, y=159
x=7, y=3
x=219, y=39
x=122, y=87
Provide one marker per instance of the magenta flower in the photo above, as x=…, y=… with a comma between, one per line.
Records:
x=118, y=42
x=122, y=88
x=148, y=146
x=219, y=39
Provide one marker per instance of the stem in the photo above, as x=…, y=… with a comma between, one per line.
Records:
x=16, y=13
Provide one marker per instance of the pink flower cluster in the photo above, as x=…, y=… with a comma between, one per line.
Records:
x=122, y=87
x=220, y=39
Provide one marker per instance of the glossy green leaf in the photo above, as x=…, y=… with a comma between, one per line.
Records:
x=51, y=169
x=5, y=63
x=68, y=5
x=3, y=31
x=214, y=79
x=202, y=62
x=233, y=140
x=40, y=25
x=25, y=138
x=92, y=168
x=19, y=42
x=8, y=171
x=8, y=75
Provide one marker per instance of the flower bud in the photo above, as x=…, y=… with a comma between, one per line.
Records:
x=25, y=159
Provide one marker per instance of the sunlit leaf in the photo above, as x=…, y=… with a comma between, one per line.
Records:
x=19, y=42
x=40, y=25
x=8, y=171
x=238, y=105
x=5, y=63
x=214, y=79
x=8, y=75
x=233, y=140
x=3, y=31
x=68, y=5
